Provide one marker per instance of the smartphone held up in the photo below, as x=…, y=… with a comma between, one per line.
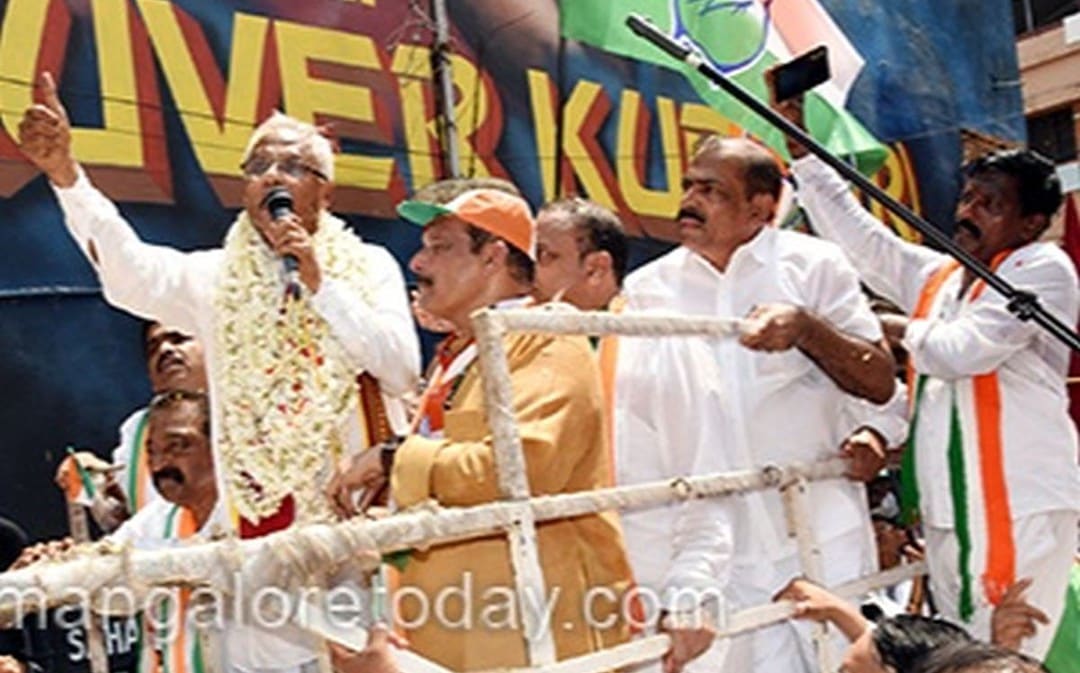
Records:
x=801, y=74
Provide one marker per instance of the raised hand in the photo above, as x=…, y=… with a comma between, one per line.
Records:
x=817, y=603
x=45, y=136
x=791, y=109
x=1014, y=619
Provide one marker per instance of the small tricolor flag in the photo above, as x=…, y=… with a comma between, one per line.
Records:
x=78, y=482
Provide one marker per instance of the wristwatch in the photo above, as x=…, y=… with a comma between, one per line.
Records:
x=387, y=451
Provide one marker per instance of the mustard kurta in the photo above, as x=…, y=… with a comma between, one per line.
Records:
x=560, y=418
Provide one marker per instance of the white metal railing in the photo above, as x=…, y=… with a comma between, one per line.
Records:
x=311, y=552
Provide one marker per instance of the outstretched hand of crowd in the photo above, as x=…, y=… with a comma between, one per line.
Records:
x=377, y=657
x=866, y=451
x=1014, y=618
x=53, y=550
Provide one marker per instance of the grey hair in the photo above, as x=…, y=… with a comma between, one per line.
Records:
x=292, y=130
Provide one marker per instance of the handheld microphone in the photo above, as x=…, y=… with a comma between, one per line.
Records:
x=280, y=202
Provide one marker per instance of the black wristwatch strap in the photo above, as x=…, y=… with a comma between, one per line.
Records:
x=387, y=451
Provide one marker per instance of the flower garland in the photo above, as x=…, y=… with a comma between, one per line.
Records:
x=286, y=383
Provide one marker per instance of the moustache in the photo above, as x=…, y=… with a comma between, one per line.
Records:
x=167, y=473
x=167, y=359
x=970, y=228
x=689, y=214
x=423, y=281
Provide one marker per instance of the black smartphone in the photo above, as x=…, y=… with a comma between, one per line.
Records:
x=801, y=74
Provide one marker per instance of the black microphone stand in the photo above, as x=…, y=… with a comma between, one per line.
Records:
x=1021, y=303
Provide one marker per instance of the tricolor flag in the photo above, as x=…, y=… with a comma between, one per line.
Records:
x=742, y=39
x=82, y=475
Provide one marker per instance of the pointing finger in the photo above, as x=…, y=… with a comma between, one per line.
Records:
x=48, y=95
x=379, y=636
x=1016, y=591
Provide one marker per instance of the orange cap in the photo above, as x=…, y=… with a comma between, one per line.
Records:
x=496, y=212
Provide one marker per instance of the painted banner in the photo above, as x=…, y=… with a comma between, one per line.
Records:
x=163, y=96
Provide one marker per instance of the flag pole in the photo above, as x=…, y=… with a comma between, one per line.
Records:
x=440, y=59
x=1021, y=303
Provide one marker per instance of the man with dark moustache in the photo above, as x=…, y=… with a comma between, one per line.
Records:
x=478, y=251
x=771, y=394
x=181, y=467
x=283, y=350
x=991, y=461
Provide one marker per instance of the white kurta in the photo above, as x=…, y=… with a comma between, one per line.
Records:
x=958, y=340
x=693, y=405
x=965, y=339
x=177, y=288
x=153, y=528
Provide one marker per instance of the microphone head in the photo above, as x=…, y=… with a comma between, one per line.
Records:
x=278, y=201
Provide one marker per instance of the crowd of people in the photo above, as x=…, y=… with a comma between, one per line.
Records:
x=274, y=409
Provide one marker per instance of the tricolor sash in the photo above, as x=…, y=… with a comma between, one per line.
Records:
x=981, y=513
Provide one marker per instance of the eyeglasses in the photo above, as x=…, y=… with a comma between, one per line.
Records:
x=292, y=166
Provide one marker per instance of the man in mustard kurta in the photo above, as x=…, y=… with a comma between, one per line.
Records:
x=478, y=252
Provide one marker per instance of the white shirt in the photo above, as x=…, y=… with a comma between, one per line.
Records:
x=963, y=339
x=155, y=528
x=696, y=405
x=177, y=288
x=146, y=529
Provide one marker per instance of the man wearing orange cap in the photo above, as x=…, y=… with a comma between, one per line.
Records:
x=478, y=251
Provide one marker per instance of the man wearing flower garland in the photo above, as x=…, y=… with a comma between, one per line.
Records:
x=478, y=251
x=282, y=370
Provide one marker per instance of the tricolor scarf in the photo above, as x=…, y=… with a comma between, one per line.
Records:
x=452, y=361
x=176, y=650
x=138, y=469
x=608, y=356
x=980, y=497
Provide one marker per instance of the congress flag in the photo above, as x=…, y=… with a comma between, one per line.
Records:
x=741, y=39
